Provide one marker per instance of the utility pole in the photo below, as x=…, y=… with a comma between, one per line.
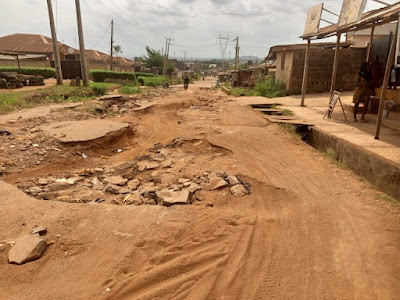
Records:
x=237, y=55
x=112, y=45
x=184, y=62
x=85, y=76
x=57, y=62
x=166, y=55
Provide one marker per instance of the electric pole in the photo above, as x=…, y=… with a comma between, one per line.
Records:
x=184, y=63
x=237, y=55
x=166, y=55
x=112, y=45
x=57, y=63
x=85, y=76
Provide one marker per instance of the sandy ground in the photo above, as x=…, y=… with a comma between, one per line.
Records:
x=309, y=229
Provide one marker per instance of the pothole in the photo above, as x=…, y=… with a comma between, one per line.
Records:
x=158, y=178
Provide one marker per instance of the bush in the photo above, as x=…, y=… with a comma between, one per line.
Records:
x=237, y=92
x=45, y=72
x=270, y=88
x=99, y=90
x=102, y=75
x=130, y=90
x=152, y=81
x=144, y=74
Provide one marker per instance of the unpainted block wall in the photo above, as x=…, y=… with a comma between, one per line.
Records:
x=320, y=70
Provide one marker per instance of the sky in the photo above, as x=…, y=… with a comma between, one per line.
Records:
x=194, y=25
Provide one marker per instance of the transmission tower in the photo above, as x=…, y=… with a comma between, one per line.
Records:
x=223, y=42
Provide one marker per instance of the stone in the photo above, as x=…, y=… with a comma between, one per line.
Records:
x=115, y=180
x=96, y=181
x=57, y=186
x=40, y=230
x=112, y=189
x=34, y=190
x=124, y=191
x=233, y=180
x=43, y=181
x=183, y=180
x=147, y=187
x=133, y=199
x=167, y=197
x=27, y=248
x=186, y=184
x=217, y=183
x=133, y=184
x=166, y=164
x=169, y=178
x=147, y=165
x=114, y=108
x=239, y=191
x=98, y=170
x=193, y=187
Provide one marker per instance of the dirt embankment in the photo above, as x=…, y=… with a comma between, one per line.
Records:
x=307, y=228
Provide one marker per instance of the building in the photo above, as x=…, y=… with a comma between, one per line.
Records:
x=38, y=50
x=290, y=66
x=362, y=38
x=40, y=46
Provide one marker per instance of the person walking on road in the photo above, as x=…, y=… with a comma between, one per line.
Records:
x=186, y=82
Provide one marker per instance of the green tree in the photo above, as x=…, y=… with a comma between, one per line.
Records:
x=153, y=58
x=118, y=50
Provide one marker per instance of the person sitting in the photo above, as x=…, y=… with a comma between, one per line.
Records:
x=363, y=92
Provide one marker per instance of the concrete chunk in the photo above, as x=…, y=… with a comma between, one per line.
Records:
x=167, y=197
x=27, y=248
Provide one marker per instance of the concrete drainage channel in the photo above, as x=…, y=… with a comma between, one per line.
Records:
x=377, y=170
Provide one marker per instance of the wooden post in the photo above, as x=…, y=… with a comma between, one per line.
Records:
x=335, y=64
x=237, y=55
x=305, y=74
x=85, y=76
x=57, y=62
x=19, y=65
x=370, y=44
x=112, y=46
x=389, y=63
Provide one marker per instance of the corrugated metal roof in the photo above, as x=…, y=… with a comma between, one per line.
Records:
x=28, y=43
x=379, y=16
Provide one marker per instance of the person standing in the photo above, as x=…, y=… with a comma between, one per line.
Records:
x=186, y=82
x=363, y=92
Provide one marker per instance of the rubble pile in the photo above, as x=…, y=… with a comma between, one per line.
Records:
x=153, y=179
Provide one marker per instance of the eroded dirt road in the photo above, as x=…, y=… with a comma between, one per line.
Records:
x=308, y=230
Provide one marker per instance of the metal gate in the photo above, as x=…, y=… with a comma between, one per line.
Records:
x=70, y=69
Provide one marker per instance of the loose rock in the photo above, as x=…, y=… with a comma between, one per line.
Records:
x=167, y=197
x=27, y=248
x=233, y=180
x=217, y=183
x=116, y=180
x=239, y=191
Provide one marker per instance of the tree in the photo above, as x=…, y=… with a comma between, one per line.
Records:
x=153, y=58
x=117, y=49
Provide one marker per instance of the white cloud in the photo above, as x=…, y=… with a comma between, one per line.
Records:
x=144, y=22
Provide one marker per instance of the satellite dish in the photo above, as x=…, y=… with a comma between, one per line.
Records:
x=71, y=50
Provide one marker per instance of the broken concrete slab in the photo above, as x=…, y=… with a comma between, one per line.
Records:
x=217, y=183
x=83, y=131
x=167, y=197
x=110, y=97
x=27, y=248
x=115, y=180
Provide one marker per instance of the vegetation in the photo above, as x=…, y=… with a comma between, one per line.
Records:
x=152, y=81
x=153, y=59
x=240, y=91
x=126, y=89
x=102, y=75
x=45, y=72
x=55, y=94
x=270, y=88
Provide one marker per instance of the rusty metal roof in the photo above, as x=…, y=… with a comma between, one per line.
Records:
x=28, y=43
x=379, y=16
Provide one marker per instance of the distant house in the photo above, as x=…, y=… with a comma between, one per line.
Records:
x=362, y=38
x=289, y=61
x=100, y=60
x=36, y=45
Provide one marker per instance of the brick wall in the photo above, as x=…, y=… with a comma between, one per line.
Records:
x=320, y=70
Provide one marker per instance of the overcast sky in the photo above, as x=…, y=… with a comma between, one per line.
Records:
x=193, y=24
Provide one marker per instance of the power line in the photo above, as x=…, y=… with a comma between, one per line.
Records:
x=101, y=37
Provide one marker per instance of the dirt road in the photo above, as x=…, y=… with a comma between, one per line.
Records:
x=309, y=229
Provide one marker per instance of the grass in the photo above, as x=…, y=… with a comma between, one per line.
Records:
x=269, y=88
x=54, y=94
x=387, y=198
x=130, y=90
x=287, y=112
x=237, y=92
x=291, y=129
